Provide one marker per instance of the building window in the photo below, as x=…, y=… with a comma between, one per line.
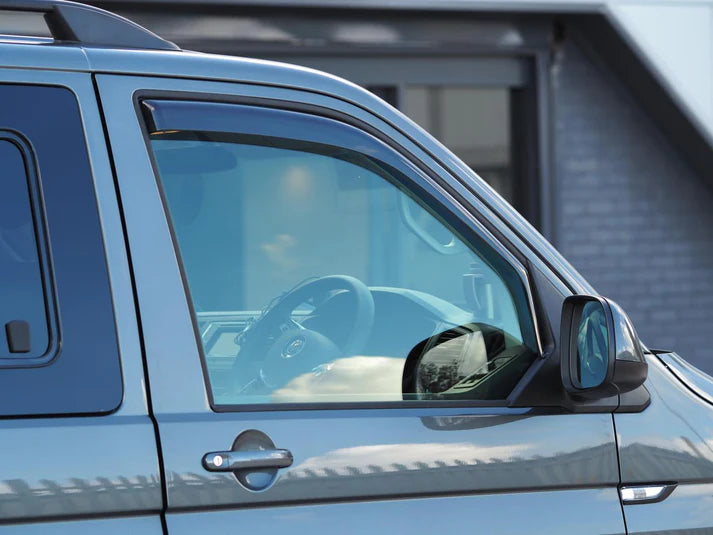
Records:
x=473, y=122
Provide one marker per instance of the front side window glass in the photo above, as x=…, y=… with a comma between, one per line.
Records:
x=23, y=317
x=317, y=274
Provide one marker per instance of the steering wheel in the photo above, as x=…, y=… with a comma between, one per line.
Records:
x=290, y=349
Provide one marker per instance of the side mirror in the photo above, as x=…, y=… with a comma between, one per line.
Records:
x=600, y=353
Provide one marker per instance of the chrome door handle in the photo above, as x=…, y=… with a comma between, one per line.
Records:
x=232, y=461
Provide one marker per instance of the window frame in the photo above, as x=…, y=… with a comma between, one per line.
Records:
x=451, y=203
x=36, y=201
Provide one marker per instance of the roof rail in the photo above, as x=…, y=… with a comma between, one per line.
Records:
x=87, y=25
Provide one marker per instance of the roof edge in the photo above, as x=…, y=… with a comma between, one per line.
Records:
x=625, y=58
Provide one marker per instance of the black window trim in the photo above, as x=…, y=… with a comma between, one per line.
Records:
x=39, y=218
x=479, y=225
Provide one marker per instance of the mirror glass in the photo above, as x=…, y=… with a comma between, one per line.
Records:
x=592, y=345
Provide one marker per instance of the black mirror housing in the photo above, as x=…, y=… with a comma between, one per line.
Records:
x=601, y=354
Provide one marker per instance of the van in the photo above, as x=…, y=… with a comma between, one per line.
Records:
x=240, y=295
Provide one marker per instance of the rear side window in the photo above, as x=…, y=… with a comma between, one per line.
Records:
x=58, y=343
x=23, y=311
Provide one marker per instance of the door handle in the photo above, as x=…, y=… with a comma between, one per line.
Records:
x=233, y=461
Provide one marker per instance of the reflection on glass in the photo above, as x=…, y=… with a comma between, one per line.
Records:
x=592, y=345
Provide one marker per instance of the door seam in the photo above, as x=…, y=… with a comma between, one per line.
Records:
x=618, y=467
x=152, y=417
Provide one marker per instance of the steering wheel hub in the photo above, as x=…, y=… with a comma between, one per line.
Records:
x=294, y=347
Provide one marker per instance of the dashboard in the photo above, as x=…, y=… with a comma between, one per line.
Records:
x=428, y=347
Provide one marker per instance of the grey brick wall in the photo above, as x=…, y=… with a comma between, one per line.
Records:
x=633, y=217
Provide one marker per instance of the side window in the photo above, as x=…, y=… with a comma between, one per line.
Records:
x=58, y=345
x=23, y=313
x=322, y=268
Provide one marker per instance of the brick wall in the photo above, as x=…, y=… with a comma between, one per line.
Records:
x=633, y=217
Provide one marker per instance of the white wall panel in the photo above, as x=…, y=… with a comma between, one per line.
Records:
x=677, y=38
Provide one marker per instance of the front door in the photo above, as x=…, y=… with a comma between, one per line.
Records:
x=328, y=332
